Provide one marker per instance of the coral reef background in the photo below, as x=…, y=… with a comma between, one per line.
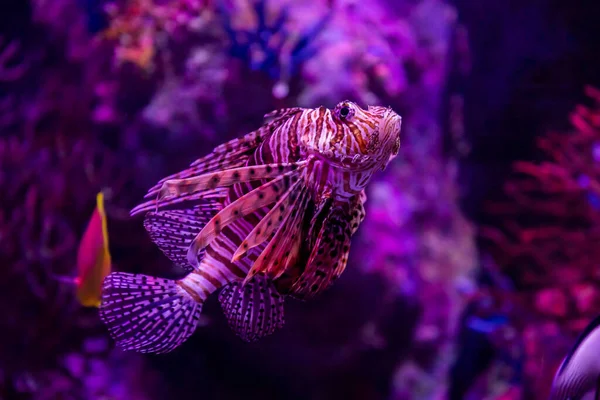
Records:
x=450, y=291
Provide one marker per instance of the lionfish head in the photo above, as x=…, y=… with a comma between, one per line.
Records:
x=371, y=137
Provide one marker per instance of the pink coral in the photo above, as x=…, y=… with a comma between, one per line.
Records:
x=551, y=203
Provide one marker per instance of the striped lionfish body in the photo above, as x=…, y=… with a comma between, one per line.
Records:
x=265, y=216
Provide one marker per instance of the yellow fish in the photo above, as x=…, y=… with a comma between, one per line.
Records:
x=93, y=257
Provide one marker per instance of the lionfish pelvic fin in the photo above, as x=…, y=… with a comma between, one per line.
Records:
x=330, y=250
x=253, y=310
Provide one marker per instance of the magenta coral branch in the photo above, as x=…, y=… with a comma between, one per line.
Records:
x=548, y=232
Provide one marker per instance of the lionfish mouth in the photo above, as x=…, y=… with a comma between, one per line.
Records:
x=356, y=163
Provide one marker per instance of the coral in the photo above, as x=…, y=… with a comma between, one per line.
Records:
x=550, y=203
x=363, y=48
x=266, y=38
x=140, y=26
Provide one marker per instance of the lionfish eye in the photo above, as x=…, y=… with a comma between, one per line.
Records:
x=344, y=111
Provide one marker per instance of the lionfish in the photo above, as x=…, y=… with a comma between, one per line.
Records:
x=264, y=216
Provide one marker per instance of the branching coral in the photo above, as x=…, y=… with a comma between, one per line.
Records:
x=268, y=40
x=547, y=236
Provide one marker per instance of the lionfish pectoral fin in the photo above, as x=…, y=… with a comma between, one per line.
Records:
x=233, y=154
x=210, y=196
x=224, y=178
x=329, y=254
x=289, y=261
x=253, y=310
x=258, y=198
x=173, y=231
x=282, y=250
x=277, y=216
x=148, y=314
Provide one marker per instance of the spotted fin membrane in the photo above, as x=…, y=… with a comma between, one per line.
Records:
x=282, y=251
x=265, y=195
x=253, y=310
x=330, y=251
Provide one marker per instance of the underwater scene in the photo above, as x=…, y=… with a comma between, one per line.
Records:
x=299, y=199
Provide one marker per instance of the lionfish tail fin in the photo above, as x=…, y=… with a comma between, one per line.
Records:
x=253, y=310
x=147, y=314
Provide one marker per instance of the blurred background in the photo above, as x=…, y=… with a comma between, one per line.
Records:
x=474, y=270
